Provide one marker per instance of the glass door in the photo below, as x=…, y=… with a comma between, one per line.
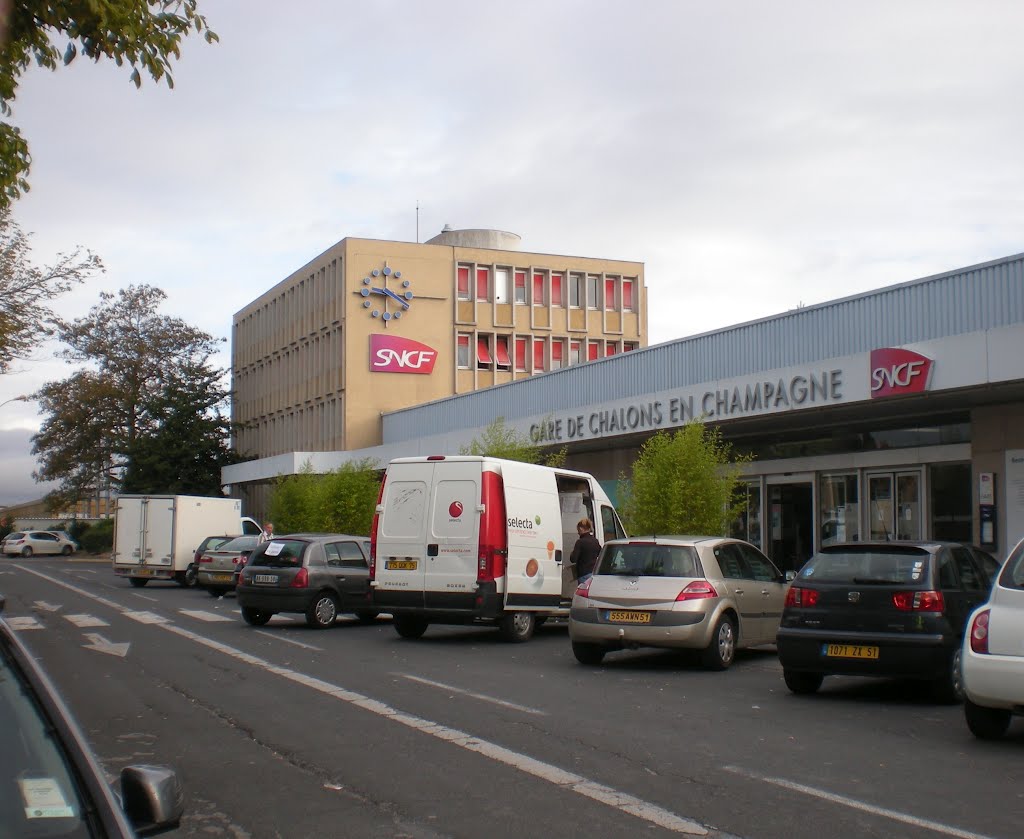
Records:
x=894, y=505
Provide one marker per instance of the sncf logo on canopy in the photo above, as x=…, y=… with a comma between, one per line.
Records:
x=391, y=354
x=895, y=372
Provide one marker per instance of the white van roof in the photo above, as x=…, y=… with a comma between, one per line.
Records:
x=485, y=459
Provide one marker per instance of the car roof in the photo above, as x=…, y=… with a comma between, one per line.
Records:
x=672, y=540
x=894, y=545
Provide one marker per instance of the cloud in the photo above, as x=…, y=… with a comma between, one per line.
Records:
x=18, y=486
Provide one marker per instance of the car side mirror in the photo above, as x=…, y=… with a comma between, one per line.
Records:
x=152, y=798
x=790, y=576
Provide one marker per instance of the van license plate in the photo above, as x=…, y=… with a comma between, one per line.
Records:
x=400, y=565
x=629, y=617
x=264, y=578
x=144, y=572
x=848, y=651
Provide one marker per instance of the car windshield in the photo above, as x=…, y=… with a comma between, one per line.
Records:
x=869, y=565
x=648, y=560
x=1012, y=575
x=279, y=553
x=38, y=797
x=239, y=543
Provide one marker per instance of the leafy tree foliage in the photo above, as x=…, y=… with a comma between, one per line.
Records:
x=683, y=482
x=145, y=34
x=341, y=501
x=25, y=290
x=98, y=538
x=498, y=440
x=144, y=372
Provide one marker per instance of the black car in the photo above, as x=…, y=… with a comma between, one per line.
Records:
x=896, y=609
x=315, y=574
x=50, y=783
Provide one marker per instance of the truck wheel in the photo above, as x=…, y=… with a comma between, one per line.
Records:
x=517, y=627
x=367, y=615
x=322, y=612
x=588, y=653
x=718, y=655
x=137, y=582
x=410, y=627
x=255, y=617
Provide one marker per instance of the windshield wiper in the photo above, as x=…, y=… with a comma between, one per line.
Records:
x=881, y=581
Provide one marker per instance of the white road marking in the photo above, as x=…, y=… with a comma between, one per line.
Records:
x=569, y=781
x=209, y=617
x=141, y=617
x=101, y=644
x=48, y=607
x=855, y=804
x=143, y=597
x=481, y=696
x=279, y=637
x=23, y=623
x=85, y=621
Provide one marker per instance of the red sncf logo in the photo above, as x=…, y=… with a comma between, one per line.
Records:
x=455, y=509
x=896, y=371
x=400, y=355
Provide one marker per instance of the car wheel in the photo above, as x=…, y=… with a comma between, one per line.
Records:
x=137, y=582
x=255, y=617
x=216, y=591
x=802, y=683
x=949, y=689
x=517, y=626
x=410, y=627
x=986, y=723
x=188, y=577
x=718, y=655
x=588, y=653
x=67, y=550
x=323, y=611
x=367, y=615
x=26, y=551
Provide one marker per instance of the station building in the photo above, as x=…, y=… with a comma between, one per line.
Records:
x=894, y=414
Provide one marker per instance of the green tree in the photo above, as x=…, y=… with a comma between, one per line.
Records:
x=341, y=501
x=143, y=368
x=145, y=34
x=25, y=290
x=683, y=482
x=498, y=440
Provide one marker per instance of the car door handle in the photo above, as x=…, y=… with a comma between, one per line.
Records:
x=738, y=590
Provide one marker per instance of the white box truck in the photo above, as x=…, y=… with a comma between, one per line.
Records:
x=156, y=536
x=480, y=540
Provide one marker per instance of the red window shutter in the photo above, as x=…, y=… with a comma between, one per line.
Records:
x=556, y=289
x=483, y=275
x=627, y=295
x=538, y=289
x=538, y=354
x=483, y=355
x=574, y=352
x=609, y=294
x=501, y=352
x=556, y=351
x=520, y=284
x=520, y=353
x=611, y=349
x=592, y=351
x=464, y=341
x=463, y=281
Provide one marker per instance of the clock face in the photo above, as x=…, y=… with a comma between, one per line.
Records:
x=385, y=294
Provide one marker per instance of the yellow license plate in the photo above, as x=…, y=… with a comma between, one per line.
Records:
x=848, y=651
x=144, y=572
x=222, y=578
x=400, y=565
x=629, y=617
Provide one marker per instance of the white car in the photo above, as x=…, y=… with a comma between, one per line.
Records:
x=30, y=542
x=993, y=654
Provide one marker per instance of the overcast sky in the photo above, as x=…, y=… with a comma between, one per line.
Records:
x=755, y=156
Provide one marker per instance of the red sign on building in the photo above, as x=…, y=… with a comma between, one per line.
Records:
x=895, y=372
x=391, y=354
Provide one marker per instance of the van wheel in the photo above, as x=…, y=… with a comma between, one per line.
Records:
x=588, y=653
x=517, y=626
x=986, y=723
x=802, y=683
x=367, y=615
x=322, y=612
x=410, y=627
x=256, y=617
x=137, y=582
x=718, y=655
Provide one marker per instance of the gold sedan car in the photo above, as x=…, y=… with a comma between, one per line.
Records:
x=707, y=593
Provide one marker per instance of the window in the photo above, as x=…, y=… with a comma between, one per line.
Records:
x=344, y=555
x=758, y=565
x=593, y=347
x=556, y=290
x=557, y=351
x=520, y=286
x=501, y=352
x=576, y=290
x=609, y=293
x=463, y=282
x=462, y=352
x=629, y=346
x=838, y=509
x=521, y=354
x=538, y=355
x=627, y=295
x=610, y=526
x=538, y=289
x=501, y=285
x=483, y=281
x=593, y=291
x=730, y=561
x=483, y=353
x=970, y=579
x=611, y=348
x=575, y=355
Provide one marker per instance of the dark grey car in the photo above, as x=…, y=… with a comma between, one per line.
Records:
x=315, y=574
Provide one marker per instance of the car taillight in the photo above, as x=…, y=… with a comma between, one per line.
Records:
x=583, y=589
x=373, y=529
x=206, y=559
x=697, y=590
x=979, y=632
x=493, y=535
x=918, y=601
x=801, y=598
x=301, y=579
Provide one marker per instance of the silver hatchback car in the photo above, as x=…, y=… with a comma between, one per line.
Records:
x=707, y=593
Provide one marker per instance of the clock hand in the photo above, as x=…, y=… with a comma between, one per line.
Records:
x=387, y=292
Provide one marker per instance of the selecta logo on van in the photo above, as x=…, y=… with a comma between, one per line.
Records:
x=895, y=372
x=455, y=509
x=522, y=524
x=391, y=354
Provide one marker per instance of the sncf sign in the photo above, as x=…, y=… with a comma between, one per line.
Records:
x=390, y=354
x=895, y=372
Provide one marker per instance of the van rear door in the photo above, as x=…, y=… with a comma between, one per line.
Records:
x=453, y=538
x=402, y=534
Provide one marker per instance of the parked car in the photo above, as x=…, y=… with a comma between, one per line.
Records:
x=896, y=609
x=993, y=654
x=707, y=593
x=30, y=542
x=315, y=574
x=218, y=566
x=208, y=543
x=50, y=782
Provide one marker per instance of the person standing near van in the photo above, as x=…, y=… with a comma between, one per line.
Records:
x=584, y=554
x=268, y=532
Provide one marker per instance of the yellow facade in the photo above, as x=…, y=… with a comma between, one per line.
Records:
x=301, y=352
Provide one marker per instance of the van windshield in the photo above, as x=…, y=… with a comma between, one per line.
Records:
x=649, y=560
x=279, y=553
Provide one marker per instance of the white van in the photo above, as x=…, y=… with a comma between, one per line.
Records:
x=480, y=540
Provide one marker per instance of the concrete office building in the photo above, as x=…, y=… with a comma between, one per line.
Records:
x=897, y=413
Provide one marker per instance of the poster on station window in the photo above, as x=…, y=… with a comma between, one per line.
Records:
x=1014, y=497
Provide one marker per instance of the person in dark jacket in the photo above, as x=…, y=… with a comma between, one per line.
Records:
x=584, y=553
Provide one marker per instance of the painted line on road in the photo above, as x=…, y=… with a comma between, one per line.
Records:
x=209, y=617
x=18, y=624
x=481, y=696
x=846, y=801
x=150, y=599
x=569, y=781
x=85, y=621
x=278, y=637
